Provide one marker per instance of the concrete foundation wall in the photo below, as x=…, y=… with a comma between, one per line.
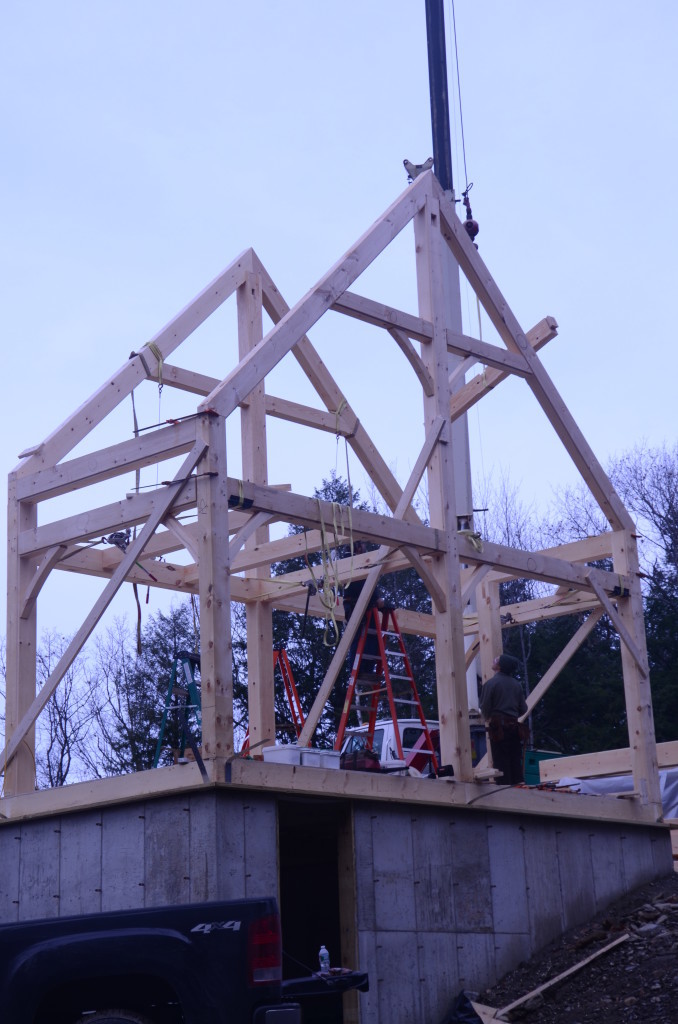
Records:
x=445, y=899
x=179, y=849
x=448, y=900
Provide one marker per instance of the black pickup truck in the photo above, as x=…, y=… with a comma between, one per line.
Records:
x=208, y=963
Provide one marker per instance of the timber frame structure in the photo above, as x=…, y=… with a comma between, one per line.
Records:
x=228, y=543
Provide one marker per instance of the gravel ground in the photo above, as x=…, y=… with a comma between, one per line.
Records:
x=635, y=981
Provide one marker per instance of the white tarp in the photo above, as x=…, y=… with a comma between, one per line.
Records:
x=668, y=787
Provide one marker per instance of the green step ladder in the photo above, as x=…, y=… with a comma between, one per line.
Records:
x=183, y=685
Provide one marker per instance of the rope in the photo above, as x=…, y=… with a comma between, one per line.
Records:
x=329, y=593
x=461, y=115
x=474, y=539
x=158, y=355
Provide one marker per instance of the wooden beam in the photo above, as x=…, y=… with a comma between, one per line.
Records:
x=145, y=450
x=489, y=626
x=47, y=563
x=311, y=512
x=100, y=521
x=123, y=382
x=184, y=535
x=252, y=526
x=413, y=358
x=567, y=653
x=637, y=692
x=436, y=278
x=216, y=650
x=471, y=581
x=331, y=422
x=471, y=392
x=428, y=578
x=335, y=401
x=538, y=566
x=19, y=776
x=603, y=762
x=618, y=623
x=376, y=313
x=490, y=355
x=295, y=324
x=539, y=382
x=259, y=614
x=560, y=977
x=259, y=776
x=101, y=604
x=188, y=380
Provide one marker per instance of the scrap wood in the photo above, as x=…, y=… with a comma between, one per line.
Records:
x=498, y=1014
x=486, y=1013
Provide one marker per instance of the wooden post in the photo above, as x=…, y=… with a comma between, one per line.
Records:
x=639, y=715
x=489, y=626
x=216, y=657
x=260, y=682
x=435, y=279
x=21, y=646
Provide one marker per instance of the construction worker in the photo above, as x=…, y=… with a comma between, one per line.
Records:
x=502, y=702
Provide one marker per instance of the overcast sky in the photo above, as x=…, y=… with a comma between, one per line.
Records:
x=147, y=143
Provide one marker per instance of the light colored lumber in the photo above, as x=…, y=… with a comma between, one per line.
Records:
x=312, y=512
x=490, y=355
x=335, y=401
x=184, y=536
x=473, y=580
x=557, y=666
x=371, y=312
x=471, y=653
x=345, y=423
x=133, y=552
x=295, y=324
x=509, y=330
x=259, y=614
x=603, y=762
x=188, y=380
x=637, y=692
x=564, y=974
x=438, y=298
x=535, y=565
x=123, y=382
x=100, y=521
x=216, y=652
x=127, y=456
x=268, y=778
x=486, y=1013
x=21, y=645
x=47, y=563
x=427, y=577
x=475, y=389
x=413, y=358
x=250, y=528
x=618, y=623
x=489, y=627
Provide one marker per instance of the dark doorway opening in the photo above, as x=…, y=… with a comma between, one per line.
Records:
x=311, y=844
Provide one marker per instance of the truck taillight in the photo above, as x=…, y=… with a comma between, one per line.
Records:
x=264, y=951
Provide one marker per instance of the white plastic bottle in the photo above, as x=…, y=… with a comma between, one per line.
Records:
x=324, y=959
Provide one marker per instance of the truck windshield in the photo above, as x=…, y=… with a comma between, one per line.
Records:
x=358, y=741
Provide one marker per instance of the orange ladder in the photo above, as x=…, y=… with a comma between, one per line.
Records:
x=282, y=663
x=383, y=677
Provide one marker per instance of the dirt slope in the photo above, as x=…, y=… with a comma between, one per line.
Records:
x=635, y=981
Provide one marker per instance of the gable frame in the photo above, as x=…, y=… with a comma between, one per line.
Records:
x=437, y=550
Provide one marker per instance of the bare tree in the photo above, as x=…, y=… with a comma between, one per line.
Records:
x=63, y=728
